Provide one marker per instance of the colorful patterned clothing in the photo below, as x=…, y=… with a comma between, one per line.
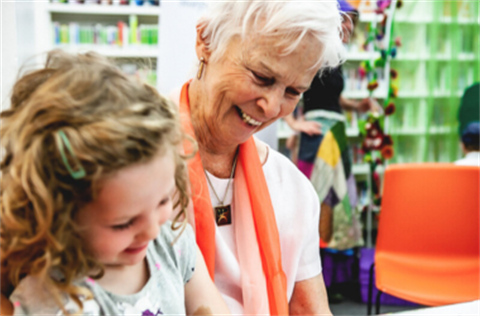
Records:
x=325, y=160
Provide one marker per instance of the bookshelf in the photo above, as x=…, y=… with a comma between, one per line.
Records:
x=98, y=9
x=438, y=60
x=129, y=34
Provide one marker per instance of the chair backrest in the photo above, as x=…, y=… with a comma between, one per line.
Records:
x=429, y=231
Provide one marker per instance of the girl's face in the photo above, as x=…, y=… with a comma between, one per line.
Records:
x=131, y=206
x=251, y=86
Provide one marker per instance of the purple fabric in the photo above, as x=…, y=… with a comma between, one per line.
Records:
x=367, y=256
x=305, y=167
x=352, y=190
x=337, y=268
x=346, y=7
x=331, y=199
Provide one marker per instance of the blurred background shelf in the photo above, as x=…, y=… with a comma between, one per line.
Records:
x=129, y=34
x=114, y=52
x=98, y=9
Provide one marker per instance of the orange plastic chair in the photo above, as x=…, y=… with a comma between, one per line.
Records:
x=427, y=247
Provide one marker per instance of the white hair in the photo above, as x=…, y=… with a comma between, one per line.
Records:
x=289, y=21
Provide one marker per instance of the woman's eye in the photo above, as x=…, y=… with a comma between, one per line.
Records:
x=264, y=80
x=123, y=226
x=293, y=92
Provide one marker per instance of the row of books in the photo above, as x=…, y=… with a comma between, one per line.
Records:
x=120, y=35
x=110, y=2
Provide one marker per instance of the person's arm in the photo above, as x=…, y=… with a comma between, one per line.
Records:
x=310, y=298
x=201, y=295
x=360, y=106
x=300, y=125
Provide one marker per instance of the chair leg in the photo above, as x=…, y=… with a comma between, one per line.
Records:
x=370, y=289
x=377, y=303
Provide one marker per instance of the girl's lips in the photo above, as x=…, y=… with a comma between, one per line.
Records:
x=135, y=250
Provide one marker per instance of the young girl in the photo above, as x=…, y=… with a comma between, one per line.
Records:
x=91, y=175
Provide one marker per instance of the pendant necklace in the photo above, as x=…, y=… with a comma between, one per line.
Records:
x=223, y=213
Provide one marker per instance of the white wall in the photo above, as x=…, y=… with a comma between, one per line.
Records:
x=8, y=51
x=25, y=34
x=178, y=60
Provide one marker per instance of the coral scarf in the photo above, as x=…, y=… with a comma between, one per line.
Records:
x=256, y=232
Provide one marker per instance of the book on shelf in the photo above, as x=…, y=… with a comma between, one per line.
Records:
x=121, y=35
x=109, y=2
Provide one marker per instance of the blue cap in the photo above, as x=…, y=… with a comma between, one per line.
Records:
x=470, y=135
x=346, y=7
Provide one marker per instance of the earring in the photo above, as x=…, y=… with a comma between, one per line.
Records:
x=200, y=68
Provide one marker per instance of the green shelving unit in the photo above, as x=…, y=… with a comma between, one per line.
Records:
x=438, y=60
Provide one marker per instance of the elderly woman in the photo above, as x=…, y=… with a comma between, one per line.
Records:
x=255, y=214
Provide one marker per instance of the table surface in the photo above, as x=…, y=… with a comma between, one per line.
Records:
x=462, y=309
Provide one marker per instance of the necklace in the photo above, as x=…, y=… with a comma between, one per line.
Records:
x=223, y=213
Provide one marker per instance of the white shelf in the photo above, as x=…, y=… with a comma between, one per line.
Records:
x=411, y=56
x=466, y=56
x=407, y=131
x=362, y=56
x=460, y=20
x=411, y=94
x=443, y=20
x=370, y=17
x=440, y=130
x=446, y=94
x=355, y=94
x=418, y=94
x=440, y=57
x=353, y=132
x=104, y=9
x=410, y=131
x=361, y=169
x=284, y=131
x=412, y=19
x=116, y=52
x=362, y=94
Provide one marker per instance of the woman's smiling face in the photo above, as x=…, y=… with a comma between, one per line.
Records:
x=250, y=87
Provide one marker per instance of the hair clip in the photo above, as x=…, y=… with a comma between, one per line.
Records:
x=61, y=141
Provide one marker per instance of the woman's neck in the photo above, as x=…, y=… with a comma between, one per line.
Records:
x=218, y=164
x=217, y=158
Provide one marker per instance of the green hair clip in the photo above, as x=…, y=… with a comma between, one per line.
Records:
x=61, y=141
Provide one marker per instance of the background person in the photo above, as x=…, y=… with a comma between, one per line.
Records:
x=323, y=154
x=470, y=145
x=323, y=108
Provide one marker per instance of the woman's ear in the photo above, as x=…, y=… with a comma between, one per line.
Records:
x=201, y=44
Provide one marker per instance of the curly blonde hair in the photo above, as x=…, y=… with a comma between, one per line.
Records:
x=111, y=122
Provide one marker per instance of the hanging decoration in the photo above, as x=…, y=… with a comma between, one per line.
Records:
x=377, y=146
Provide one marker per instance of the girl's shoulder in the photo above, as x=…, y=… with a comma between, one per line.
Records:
x=172, y=239
x=175, y=249
x=33, y=296
x=169, y=233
